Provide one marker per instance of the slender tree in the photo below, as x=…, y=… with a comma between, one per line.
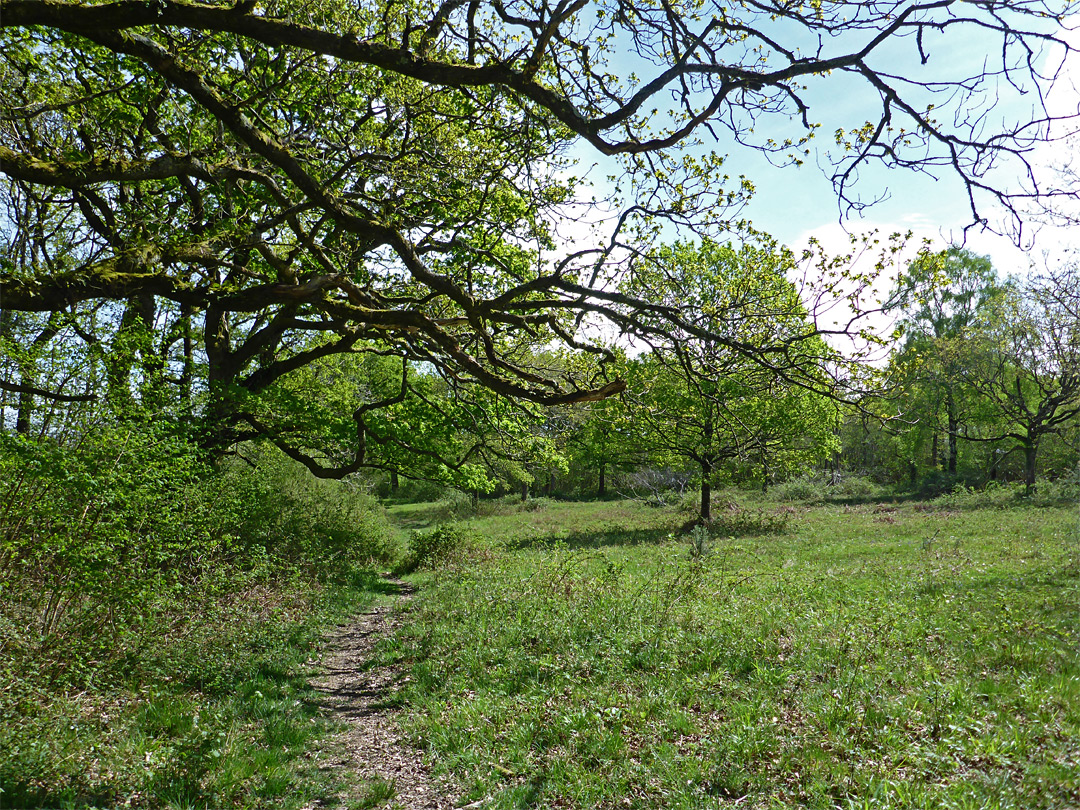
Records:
x=698, y=400
x=941, y=296
x=1025, y=360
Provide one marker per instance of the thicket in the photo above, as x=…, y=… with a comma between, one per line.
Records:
x=154, y=607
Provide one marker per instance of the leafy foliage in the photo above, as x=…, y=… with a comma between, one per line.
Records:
x=155, y=612
x=207, y=198
x=712, y=402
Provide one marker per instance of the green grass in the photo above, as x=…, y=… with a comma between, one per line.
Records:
x=206, y=706
x=914, y=655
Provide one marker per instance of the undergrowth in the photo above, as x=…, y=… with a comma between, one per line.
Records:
x=157, y=614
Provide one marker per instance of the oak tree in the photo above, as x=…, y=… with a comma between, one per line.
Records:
x=211, y=196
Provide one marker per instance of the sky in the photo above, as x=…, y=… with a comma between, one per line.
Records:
x=794, y=204
x=933, y=208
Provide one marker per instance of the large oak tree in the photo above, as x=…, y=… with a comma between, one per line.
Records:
x=211, y=196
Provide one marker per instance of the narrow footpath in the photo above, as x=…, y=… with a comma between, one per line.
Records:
x=361, y=697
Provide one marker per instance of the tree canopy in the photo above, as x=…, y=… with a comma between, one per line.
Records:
x=204, y=198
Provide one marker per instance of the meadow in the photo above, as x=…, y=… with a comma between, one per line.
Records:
x=887, y=655
x=798, y=652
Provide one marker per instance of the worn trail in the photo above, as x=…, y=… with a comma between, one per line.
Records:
x=361, y=696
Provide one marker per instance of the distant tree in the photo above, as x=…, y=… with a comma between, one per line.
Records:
x=705, y=403
x=600, y=439
x=940, y=297
x=1024, y=359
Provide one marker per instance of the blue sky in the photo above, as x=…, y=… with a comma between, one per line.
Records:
x=794, y=203
x=934, y=208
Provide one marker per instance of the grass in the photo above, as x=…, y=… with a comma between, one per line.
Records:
x=207, y=707
x=888, y=656
x=542, y=523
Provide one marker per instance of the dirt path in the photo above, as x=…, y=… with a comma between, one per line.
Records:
x=360, y=695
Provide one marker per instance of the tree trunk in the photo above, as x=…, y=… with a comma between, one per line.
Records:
x=934, y=452
x=601, y=489
x=187, y=374
x=219, y=375
x=394, y=483
x=524, y=491
x=706, y=490
x=954, y=426
x=28, y=377
x=1031, y=450
x=120, y=358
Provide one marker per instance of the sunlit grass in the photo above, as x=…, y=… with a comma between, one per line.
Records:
x=884, y=656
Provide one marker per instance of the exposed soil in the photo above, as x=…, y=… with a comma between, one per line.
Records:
x=362, y=697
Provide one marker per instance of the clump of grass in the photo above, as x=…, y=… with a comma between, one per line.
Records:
x=378, y=792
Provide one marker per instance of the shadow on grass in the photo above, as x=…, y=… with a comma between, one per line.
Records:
x=955, y=499
x=418, y=516
x=369, y=581
x=183, y=696
x=599, y=538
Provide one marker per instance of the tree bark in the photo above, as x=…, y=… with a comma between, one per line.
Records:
x=187, y=375
x=706, y=490
x=27, y=376
x=954, y=426
x=1031, y=451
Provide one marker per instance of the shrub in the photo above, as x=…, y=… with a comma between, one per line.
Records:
x=854, y=486
x=536, y=504
x=799, y=489
x=128, y=499
x=121, y=522
x=1065, y=488
x=436, y=548
x=283, y=514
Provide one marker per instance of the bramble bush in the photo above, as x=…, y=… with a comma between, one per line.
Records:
x=119, y=523
x=438, y=547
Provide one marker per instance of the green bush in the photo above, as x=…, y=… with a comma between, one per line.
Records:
x=436, y=548
x=536, y=504
x=854, y=486
x=817, y=490
x=285, y=517
x=90, y=530
x=799, y=489
x=1065, y=488
x=108, y=533
x=141, y=588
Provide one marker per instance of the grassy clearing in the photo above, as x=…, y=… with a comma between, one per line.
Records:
x=902, y=655
x=208, y=707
